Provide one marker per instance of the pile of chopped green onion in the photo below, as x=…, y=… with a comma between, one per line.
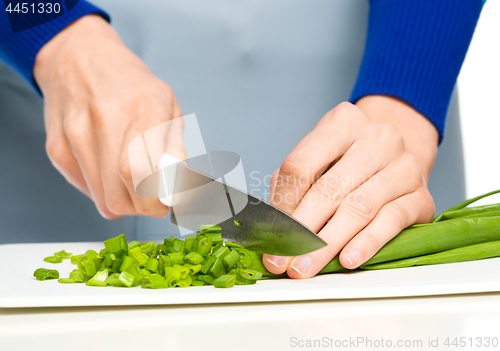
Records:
x=204, y=259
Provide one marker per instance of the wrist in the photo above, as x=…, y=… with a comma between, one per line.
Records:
x=62, y=47
x=419, y=134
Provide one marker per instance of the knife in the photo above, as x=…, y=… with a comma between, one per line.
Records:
x=198, y=198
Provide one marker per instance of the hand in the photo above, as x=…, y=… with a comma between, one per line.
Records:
x=98, y=97
x=376, y=187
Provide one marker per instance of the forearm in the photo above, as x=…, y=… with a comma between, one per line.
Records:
x=419, y=134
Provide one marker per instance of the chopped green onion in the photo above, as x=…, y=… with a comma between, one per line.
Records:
x=114, y=280
x=74, y=259
x=127, y=261
x=78, y=275
x=248, y=274
x=53, y=259
x=207, y=279
x=99, y=279
x=221, y=252
x=188, y=243
x=217, y=270
x=149, y=249
x=225, y=281
x=154, y=281
x=117, y=244
x=140, y=257
x=63, y=254
x=45, y=274
x=152, y=264
x=193, y=258
x=204, y=246
x=67, y=280
x=127, y=279
x=194, y=268
x=89, y=267
x=176, y=257
x=231, y=259
x=197, y=283
x=210, y=228
x=89, y=255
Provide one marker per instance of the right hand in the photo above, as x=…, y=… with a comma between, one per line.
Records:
x=99, y=96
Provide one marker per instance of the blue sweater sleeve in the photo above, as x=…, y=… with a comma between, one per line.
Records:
x=19, y=48
x=414, y=51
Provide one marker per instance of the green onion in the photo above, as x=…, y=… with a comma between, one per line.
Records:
x=127, y=279
x=76, y=258
x=140, y=257
x=67, y=280
x=114, y=280
x=99, y=279
x=248, y=274
x=193, y=258
x=152, y=264
x=116, y=245
x=45, y=274
x=225, y=281
x=78, y=275
x=127, y=261
x=176, y=257
x=63, y=254
x=154, y=281
x=53, y=259
x=231, y=259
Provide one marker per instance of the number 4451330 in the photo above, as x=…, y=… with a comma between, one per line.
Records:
x=471, y=342
x=34, y=8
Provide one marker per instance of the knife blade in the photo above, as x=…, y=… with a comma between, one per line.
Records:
x=198, y=199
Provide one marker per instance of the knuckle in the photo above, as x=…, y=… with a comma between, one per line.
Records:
x=58, y=154
x=344, y=112
x=387, y=133
x=397, y=217
x=119, y=206
x=412, y=168
x=361, y=206
x=73, y=130
x=374, y=240
x=330, y=188
x=428, y=205
x=291, y=169
x=124, y=169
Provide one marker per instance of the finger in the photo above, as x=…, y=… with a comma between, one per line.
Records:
x=62, y=158
x=116, y=194
x=327, y=142
x=136, y=165
x=417, y=207
x=88, y=161
x=275, y=264
x=272, y=183
x=359, y=163
x=59, y=149
x=355, y=212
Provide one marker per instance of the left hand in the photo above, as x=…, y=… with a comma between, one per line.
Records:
x=376, y=188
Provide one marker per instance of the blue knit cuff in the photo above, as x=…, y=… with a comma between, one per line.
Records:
x=414, y=51
x=19, y=49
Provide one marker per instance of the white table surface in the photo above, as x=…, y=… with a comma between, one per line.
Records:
x=254, y=326
x=276, y=325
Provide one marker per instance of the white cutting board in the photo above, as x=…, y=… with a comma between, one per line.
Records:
x=18, y=287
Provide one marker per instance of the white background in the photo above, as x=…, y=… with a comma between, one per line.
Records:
x=479, y=101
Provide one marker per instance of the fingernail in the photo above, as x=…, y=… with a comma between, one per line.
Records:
x=278, y=261
x=353, y=257
x=302, y=264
